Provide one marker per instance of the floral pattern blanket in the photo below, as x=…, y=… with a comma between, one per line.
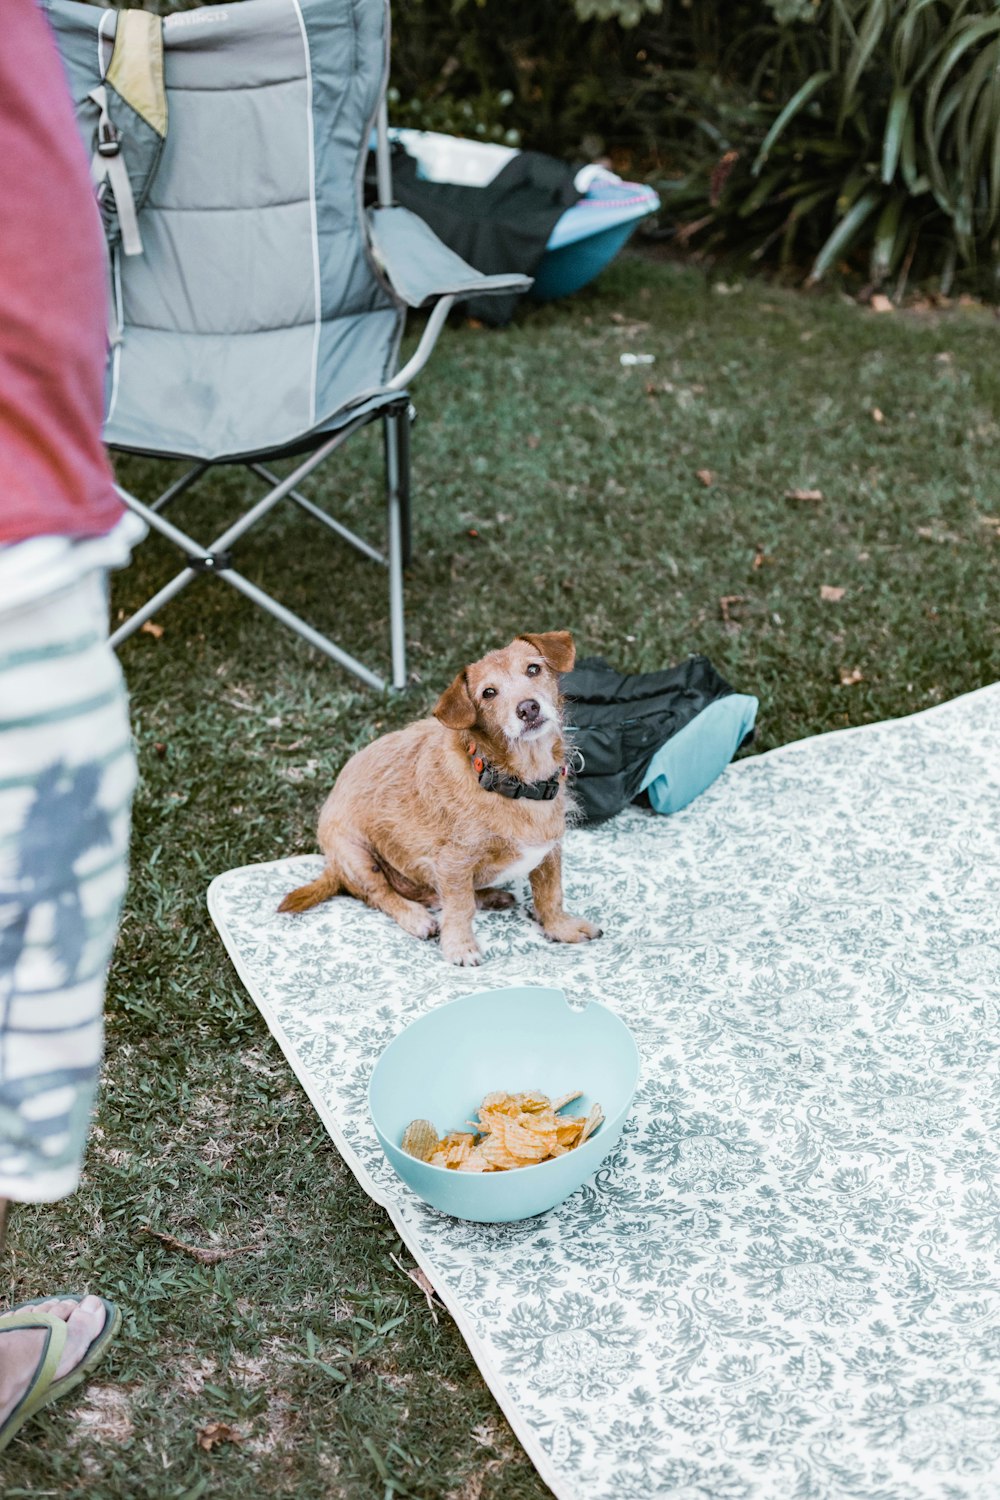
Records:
x=785, y=1282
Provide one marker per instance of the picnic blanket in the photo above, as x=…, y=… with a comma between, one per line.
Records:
x=786, y=1280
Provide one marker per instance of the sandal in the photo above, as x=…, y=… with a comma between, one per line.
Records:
x=40, y=1386
x=43, y=1387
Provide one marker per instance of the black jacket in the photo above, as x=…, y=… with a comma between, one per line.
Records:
x=617, y=722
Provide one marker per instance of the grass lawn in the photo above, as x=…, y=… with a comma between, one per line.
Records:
x=554, y=488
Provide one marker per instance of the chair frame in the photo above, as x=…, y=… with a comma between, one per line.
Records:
x=215, y=558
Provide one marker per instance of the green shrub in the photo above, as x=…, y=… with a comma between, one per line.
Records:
x=873, y=126
x=575, y=80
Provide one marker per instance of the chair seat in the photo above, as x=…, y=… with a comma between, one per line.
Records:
x=195, y=416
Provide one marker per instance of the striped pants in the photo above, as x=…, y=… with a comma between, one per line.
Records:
x=67, y=773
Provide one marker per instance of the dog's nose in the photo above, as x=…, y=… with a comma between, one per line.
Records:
x=528, y=709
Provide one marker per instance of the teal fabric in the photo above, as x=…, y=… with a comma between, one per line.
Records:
x=693, y=757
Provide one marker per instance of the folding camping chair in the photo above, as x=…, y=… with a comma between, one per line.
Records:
x=257, y=309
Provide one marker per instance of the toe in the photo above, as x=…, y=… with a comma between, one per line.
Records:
x=83, y=1326
x=87, y=1318
x=55, y=1306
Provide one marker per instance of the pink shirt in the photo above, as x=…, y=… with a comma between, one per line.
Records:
x=55, y=479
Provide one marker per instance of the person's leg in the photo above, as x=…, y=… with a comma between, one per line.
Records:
x=65, y=791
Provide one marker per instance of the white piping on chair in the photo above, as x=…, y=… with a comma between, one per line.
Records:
x=102, y=65
x=317, y=300
x=115, y=291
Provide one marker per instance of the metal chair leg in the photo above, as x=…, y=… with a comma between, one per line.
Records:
x=215, y=557
x=406, y=420
x=397, y=626
x=180, y=485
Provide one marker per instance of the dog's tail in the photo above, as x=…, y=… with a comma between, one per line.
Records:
x=326, y=885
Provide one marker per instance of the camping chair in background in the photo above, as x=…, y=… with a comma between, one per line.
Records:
x=257, y=310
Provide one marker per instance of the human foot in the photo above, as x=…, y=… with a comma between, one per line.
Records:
x=22, y=1348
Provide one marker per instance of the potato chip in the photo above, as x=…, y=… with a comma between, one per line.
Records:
x=531, y=1103
x=457, y=1149
x=496, y=1155
x=512, y=1130
x=568, y=1130
x=522, y=1139
x=475, y=1161
x=499, y=1101
x=542, y=1126
x=419, y=1139
x=595, y=1118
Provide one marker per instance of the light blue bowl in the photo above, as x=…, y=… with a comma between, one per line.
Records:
x=440, y=1067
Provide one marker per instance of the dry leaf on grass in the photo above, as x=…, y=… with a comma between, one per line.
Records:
x=214, y=1433
x=707, y=476
x=803, y=494
x=726, y=604
x=848, y=679
x=150, y=627
x=207, y=1256
x=831, y=593
x=423, y=1282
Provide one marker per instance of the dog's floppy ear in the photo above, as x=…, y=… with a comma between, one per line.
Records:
x=455, y=709
x=556, y=646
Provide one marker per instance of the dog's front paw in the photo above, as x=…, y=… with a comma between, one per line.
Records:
x=461, y=950
x=567, y=929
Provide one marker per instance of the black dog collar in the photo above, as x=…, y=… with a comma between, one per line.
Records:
x=491, y=779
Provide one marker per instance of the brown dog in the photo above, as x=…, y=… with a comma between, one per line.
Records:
x=433, y=814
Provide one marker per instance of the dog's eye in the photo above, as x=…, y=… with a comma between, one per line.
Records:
x=489, y=692
x=534, y=669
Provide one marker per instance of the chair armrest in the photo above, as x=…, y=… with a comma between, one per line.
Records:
x=421, y=268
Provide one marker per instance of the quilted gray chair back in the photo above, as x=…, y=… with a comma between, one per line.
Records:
x=254, y=314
